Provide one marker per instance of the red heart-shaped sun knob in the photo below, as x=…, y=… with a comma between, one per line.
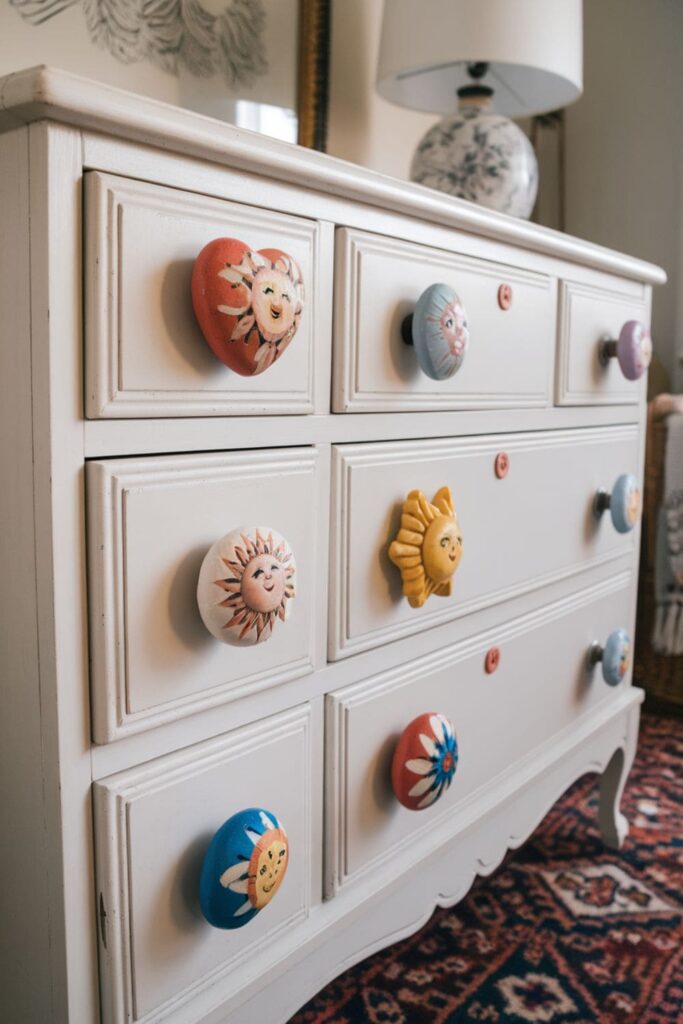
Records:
x=248, y=303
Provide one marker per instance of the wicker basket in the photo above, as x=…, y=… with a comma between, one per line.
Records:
x=661, y=676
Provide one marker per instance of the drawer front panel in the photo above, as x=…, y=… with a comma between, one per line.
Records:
x=151, y=523
x=530, y=528
x=153, y=825
x=588, y=314
x=542, y=683
x=509, y=360
x=145, y=353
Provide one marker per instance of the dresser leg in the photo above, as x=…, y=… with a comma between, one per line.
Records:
x=613, y=824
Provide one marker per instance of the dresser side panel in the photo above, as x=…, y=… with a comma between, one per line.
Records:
x=25, y=977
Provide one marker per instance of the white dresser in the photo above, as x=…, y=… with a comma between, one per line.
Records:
x=129, y=734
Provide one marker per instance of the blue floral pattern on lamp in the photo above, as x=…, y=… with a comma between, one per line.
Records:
x=243, y=868
x=481, y=156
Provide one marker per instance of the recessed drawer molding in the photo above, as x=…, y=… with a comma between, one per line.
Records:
x=153, y=832
x=502, y=351
x=145, y=354
x=545, y=681
x=152, y=522
x=516, y=536
x=589, y=315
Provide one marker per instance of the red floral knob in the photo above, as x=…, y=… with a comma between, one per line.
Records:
x=247, y=303
x=424, y=761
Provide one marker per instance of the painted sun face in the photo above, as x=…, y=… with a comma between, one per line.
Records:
x=624, y=659
x=442, y=548
x=454, y=328
x=267, y=867
x=273, y=302
x=247, y=582
x=263, y=584
x=428, y=546
x=244, y=866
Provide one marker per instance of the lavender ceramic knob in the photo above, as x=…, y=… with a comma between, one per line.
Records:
x=246, y=583
x=633, y=349
x=439, y=331
x=615, y=656
x=624, y=503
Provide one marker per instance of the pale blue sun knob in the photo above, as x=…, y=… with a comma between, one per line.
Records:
x=615, y=656
x=439, y=331
x=624, y=503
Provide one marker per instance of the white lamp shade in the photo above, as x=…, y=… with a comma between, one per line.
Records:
x=534, y=48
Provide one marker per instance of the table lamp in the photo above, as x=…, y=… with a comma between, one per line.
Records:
x=480, y=62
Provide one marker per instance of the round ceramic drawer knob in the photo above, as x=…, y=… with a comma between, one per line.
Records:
x=505, y=297
x=624, y=503
x=247, y=303
x=438, y=330
x=492, y=660
x=615, y=656
x=246, y=583
x=633, y=349
x=428, y=546
x=424, y=761
x=243, y=868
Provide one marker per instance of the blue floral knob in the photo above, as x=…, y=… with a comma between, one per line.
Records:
x=243, y=868
x=624, y=503
x=438, y=329
x=615, y=656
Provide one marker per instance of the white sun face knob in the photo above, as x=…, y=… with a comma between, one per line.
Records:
x=247, y=583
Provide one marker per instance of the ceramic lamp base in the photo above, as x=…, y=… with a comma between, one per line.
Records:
x=479, y=155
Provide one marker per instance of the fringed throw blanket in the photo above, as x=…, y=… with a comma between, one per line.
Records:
x=667, y=637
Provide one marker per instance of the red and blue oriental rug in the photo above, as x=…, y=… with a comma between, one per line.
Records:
x=565, y=932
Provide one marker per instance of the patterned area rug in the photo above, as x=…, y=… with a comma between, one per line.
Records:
x=564, y=932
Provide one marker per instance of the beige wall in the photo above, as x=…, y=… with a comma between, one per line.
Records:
x=625, y=146
x=363, y=127
x=624, y=137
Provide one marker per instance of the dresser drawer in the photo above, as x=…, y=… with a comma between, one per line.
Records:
x=145, y=353
x=534, y=526
x=151, y=523
x=541, y=684
x=509, y=358
x=153, y=825
x=587, y=314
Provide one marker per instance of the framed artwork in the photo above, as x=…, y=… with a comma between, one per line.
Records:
x=260, y=64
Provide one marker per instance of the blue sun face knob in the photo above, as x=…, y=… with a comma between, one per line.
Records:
x=624, y=503
x=243, y=868
x=615, y=656
x=439, y=331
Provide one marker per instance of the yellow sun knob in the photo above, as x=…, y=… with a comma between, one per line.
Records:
x=428, y=547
